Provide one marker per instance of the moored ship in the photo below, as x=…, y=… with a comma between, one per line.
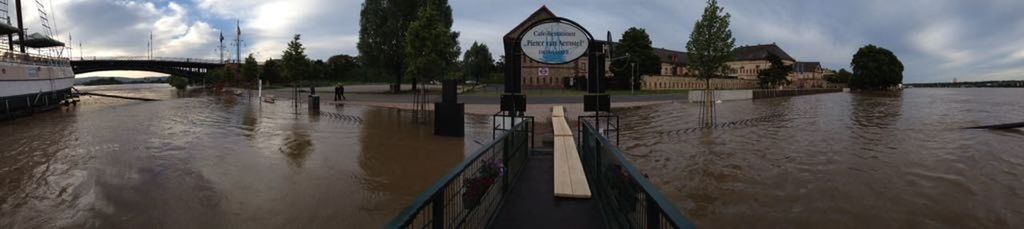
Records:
x=31, y=81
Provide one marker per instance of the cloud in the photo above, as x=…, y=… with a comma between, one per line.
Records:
x=937, y=39
x=123, y=28
x=940, y=40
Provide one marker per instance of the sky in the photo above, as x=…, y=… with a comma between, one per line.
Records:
x=937, y=40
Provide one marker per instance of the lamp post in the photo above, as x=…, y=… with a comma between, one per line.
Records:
x=632, y=72
x=632, y=79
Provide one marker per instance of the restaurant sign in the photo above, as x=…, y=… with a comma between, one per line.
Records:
x=555, y=42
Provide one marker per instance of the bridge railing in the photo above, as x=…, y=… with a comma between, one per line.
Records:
x=626, y=198
x=469, y=196
x=146, y=58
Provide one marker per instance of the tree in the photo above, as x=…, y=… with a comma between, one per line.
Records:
x=499, y=65
x=383, y=26
x=711, y=43
x=709, y=48
x=431, y=47
x=178, y=82
x=775, y=74
x=271, y=72
x=342, y=67
x=295, y=63
x=841, y=77
x=318, y=70
x=636, y=44
x=875, y=68
x=477, y=62
x=250, y=69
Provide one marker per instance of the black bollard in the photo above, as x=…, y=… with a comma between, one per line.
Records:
x=314, y=103
x=449, y=114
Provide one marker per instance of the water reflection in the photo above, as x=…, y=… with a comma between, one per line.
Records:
x=297, y=146
x=401, y=158
x=217, y=161
x=862, y=160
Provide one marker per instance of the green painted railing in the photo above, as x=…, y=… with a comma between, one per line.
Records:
x=626, y=198
x=470, y=195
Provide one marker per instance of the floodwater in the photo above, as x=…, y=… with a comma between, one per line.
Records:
x=203, y=160
x=842, y=160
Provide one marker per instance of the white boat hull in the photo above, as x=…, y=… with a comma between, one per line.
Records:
x=25, y=85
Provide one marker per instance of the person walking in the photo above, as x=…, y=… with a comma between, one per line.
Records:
x=337, y=92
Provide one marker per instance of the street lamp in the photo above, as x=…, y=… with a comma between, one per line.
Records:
x=632, y=79
x=632, y=63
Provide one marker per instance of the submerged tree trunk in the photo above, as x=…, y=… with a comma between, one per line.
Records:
x=708, y=119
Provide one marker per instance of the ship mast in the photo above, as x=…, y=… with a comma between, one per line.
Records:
x=4, y=7
x=21, y=27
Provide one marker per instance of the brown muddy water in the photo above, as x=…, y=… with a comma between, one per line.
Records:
x=201, y=160
x=842, y=160
x=197, y=160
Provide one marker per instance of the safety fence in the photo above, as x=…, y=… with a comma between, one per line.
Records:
x=626, y=198
x=472, y=193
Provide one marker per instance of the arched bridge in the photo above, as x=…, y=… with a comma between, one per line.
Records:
x=185, y=67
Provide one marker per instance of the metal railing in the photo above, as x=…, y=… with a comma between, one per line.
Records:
x=472, y=193
x=626, y=198
x=146, y=58
x=503, y=121
x=33, y=59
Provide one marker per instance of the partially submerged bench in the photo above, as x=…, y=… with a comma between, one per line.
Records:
x=570, y=180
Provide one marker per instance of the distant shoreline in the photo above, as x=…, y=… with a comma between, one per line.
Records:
x=98, y=80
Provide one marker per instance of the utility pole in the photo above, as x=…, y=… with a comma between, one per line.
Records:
x=632, y=78
x=220, y=47
x=238, y=42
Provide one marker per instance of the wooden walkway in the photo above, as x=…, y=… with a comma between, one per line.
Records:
x=552, y=191
x=532, y=204
x=570, y=180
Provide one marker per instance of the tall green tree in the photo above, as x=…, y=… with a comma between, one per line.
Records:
x=711, y=43
x=499, y=65
x=477, y=62
x=295, y=63
x=709, y=48
x=181, y=83
x=318, y=70
x=840, y=77
x=250, y=69
x=875, y=68
x=271, y=71
x=431, y=47
x=774, y=75
x=636, y=44
x=383, y=26
x=342, y=67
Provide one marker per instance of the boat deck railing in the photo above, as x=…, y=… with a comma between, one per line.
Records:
x=626, y=198
x=34, y=59
x=471, y=194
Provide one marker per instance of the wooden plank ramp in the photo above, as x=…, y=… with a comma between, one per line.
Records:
x=570, y=179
